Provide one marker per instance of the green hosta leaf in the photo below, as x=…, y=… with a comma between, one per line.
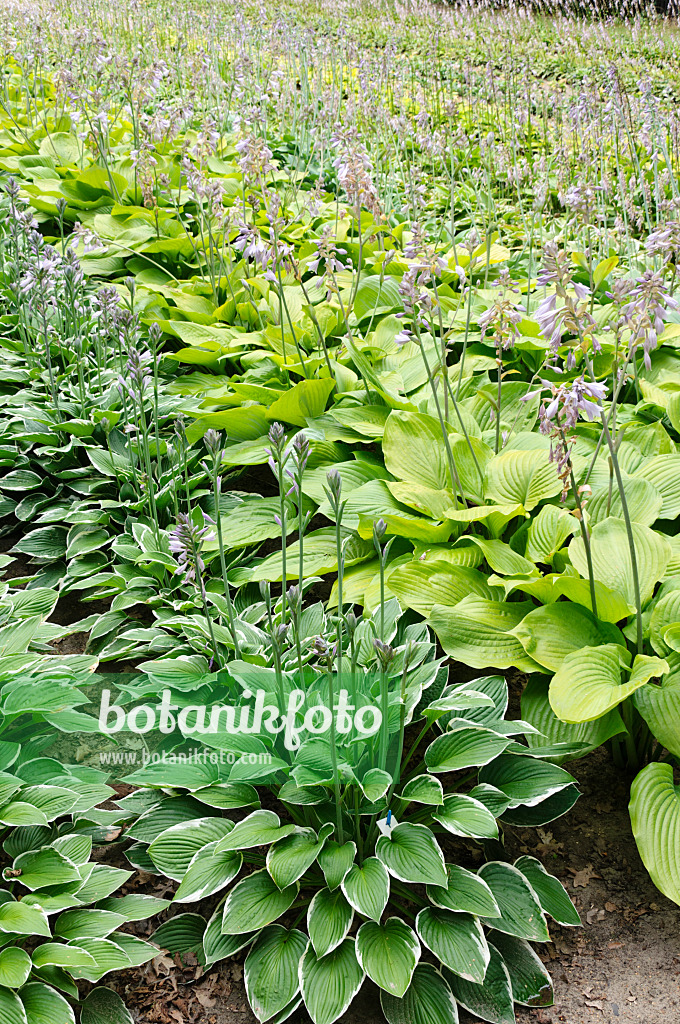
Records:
x=428, y=1000
x=660, y=708
x=367, y=888
x=467, y=746
x=642, y=498
x=579, y=738
x=551, y=893
x=207, y=873
x=521, y=477
x=291, y=857
x=259, y=829
x=655, y=819
x=465, y=816
x=457, y=939
x=529, y=980
x=525, y=780
x=103, y=1006
x=589, y=682
x=39, y=868
x=421, y=585
x=548, y=532
x=98, y=924
x=611, y=557
x=175, y=848
x=665, y=613
x=12, y=1010
x=424, y=789
x=45, y=1006
x=271, y=969
x=15, y=967
x=412, y=854
x=521, y=913
x=330, y=983
x=465, y=892
x=413, y=449
x=492, y=999
x=328, y=920
x=501, y=557
x=335, y=861
x=476, y=643
x=549, y=633
x=135, y=907
x=181, y=934
x=217, y=946
x=21, y=919
x=375, y=783
x=662, y=472
x=58, y=955
x=388, y=953
x=554, y=807
x=255, y=902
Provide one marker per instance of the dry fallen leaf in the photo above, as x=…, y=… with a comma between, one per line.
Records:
x=584, y=877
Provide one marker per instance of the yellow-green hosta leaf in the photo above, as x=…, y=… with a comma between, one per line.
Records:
x=420, y=585
x=612, y=562
x=413, y=449
x=494, y=517
x=548, y=532
x=660, y=708
x=502, y=559
x=588, y=684
x=306, y=401
x=644, y=502
x=550, y=633
x=423, y=499
x=662, y=472
x=521, y=477
x=469, y=634
x=655, y=819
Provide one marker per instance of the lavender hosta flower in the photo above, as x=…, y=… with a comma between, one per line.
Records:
x=665, y=242
x=327, y=252
x=505, y=317
x=567, y=401
x=354, y=169
x=643, y=315
x=250, y=243
x=186, y=541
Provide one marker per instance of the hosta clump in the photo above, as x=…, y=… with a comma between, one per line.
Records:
x=337, y=858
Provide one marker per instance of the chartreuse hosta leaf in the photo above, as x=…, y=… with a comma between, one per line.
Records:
x=548, y=532
x=456, y=939
x=329, y=919
x=655, y=819
x=492, y=999
x=477, y=632
x=577, y=739
x=551, y=632
x=611, y=557
x=660, y=707
x=330, y=983
x=521, y=913
x=428, y=1000
x=522, y=477
x=367, y=887
x=589, y=682
x=388, y=953
x=421, y=585
x=271, y=969
x=412, y=854
x=413, y=449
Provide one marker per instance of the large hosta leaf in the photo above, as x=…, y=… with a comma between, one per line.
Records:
x=271, y=970
x=662, y=472
x=388, y=953
x=420, y=585
x=589, y=682
x=578, y=739
x=660, y=708
x=466, y=746
x=611, y=557
x=428, y=1000
x=551, y=632
x=330, y=983
x=329, y=918
x=522, y=477
x=465, y=892
x=479, y=636
x=413, y=449
x=525, y=780
x=655, y=819
x=412, y=854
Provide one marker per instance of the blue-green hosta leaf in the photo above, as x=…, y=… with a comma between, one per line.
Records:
x=255, y=902
x=271, y=970
x=468, y=745
x=551, y=893
x=655, y=819
x=529, y=980
x=525, y=780
x=520, y=911
x=611, y=557
x=103, y=1006
x=457, y=939
x=589, y=682
x=428, y=1000
x=549, y=633
x=492, y=999
x=388, y=953
x=335, y=861
x=330, y=983
x=289, y=858
x=15, y=967
x=329, y=919
x=521, y=477
x=207, y=873
x=174, y=849
x=464, y=816
x=367, y=887
x=465, y=892
x=412, y=854
x=420, y=585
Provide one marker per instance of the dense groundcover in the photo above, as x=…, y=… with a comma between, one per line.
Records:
x=340, y=388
